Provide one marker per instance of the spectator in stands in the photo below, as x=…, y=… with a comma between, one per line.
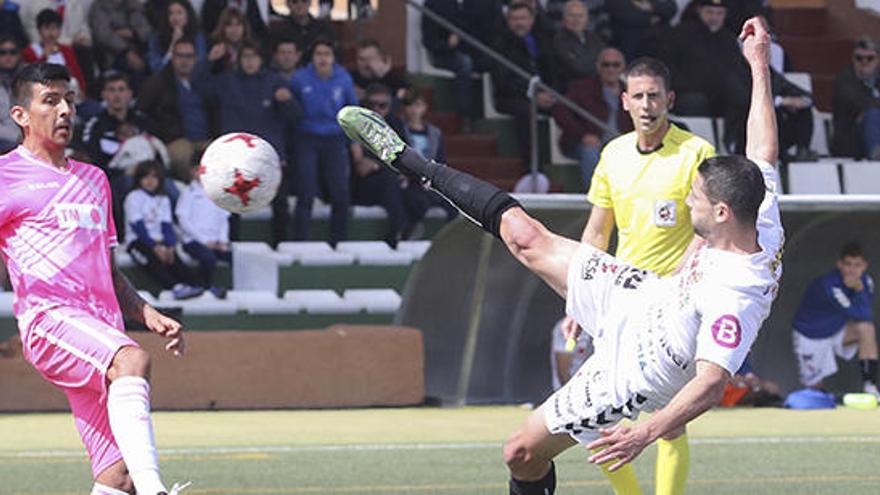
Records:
x=372, y=66
x=710, y=76
x=10, y=60
x=447, y=51
x=179, y=21
x=256, y=12
x=600, y=95
x=204, y=231
x=575, y=49
x=227, y=38
x=543, y=26
x=372, y=183
x=427, y=139
x=794, y=117
x=102, y=140
x=533, y=53
x=120, y=31
x=174, y=108
x=256, y=100
x=150, y=233
x=746, y=388
x=856, y=104
x=49, y=49
x=321, y=151
x=10, y=22
x=639, y=24
x=286, y=57
x=300, y=25
x=835, y=319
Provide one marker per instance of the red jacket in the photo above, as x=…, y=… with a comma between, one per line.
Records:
x=587, y=93
x=34, y=53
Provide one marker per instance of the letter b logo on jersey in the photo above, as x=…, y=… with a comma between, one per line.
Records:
x=726, y=331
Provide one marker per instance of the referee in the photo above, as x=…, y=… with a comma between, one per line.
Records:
x=640, y=186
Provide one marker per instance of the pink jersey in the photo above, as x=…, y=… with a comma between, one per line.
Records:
x=56, y=235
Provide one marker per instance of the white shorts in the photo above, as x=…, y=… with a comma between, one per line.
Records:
x=817, y=357
x=601, y=295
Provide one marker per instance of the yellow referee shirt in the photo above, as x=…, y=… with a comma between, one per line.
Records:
x=647, y=193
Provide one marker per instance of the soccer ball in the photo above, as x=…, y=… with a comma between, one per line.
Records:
x=240, y=172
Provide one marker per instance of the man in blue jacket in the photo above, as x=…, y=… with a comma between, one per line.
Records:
x=835, y=319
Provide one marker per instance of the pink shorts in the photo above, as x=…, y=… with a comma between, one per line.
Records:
x=73, y=350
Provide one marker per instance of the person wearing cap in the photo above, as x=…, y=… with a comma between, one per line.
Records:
x=709, y=72
x=856, y=104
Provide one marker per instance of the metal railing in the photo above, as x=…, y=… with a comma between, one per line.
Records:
x=535, y=84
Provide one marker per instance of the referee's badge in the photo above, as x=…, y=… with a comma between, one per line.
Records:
x=664, y=213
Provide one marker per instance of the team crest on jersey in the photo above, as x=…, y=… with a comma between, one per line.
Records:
x=664, y=213
x=84, y=216
x=727, y=331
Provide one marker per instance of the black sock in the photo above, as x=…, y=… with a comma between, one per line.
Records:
x=476, y=198
x=544, y=486
x=869, y=370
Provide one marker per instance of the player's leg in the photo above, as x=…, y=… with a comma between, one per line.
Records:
x=529, y=454
x=497, y=212
x=864, y=335
x=128, y=411
x=673, y=463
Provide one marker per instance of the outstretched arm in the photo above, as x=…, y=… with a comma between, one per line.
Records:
x=761, y=136
x=136, y=309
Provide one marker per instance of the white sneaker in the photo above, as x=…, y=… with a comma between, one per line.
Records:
x=870, y=388
x=177, y=488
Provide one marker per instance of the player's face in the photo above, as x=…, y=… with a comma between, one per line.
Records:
x=576, y=17
x=116, y=95
x=177, y=16
x=648, y=102
x=852, y=267
x=48, y=119
x=713, y=17
x=702, y=210
x=287, y=56
x=520, y=21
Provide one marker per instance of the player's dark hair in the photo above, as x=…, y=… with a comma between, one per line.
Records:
x=852, y=249
x=48, y=17
x=376, y=88
x=144, y=169
x=369, y=43
x=39, y=73
x=735, y=181
x=183, y=39
x=252, y=46
x=647, y=66
x=8, y=38
x=411, y=96
x=322, y=41
x=284, y=40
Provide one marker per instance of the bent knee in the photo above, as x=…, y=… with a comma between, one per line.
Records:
x=130, y=361
x=516, y=453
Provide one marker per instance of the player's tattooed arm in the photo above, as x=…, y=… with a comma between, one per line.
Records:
x=130, y=302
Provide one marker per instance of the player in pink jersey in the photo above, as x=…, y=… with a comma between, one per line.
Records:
x=56, y=237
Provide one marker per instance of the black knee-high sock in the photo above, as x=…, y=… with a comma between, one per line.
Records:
x=869, y=370
x=544, y=486
x=480, y=201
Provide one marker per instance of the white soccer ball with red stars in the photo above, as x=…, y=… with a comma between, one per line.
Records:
x=240, y=172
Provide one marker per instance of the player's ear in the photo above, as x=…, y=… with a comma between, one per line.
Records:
x=624, y=101
x=723, y=213
x=670, y=100
x=19, y=115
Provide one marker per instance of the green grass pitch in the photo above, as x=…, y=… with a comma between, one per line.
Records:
x=444, y=451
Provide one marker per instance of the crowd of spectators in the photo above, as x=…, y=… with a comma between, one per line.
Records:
x=158, y=80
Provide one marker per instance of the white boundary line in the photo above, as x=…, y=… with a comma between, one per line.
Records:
x=284, y=449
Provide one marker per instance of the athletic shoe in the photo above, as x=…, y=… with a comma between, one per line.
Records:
x=183, y=291
x=370, y=130
x=871, y=388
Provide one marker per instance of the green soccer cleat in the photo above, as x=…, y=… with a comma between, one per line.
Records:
x=370, y=130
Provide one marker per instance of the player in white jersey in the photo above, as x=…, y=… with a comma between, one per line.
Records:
x=667, y=345
x=56, y=236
